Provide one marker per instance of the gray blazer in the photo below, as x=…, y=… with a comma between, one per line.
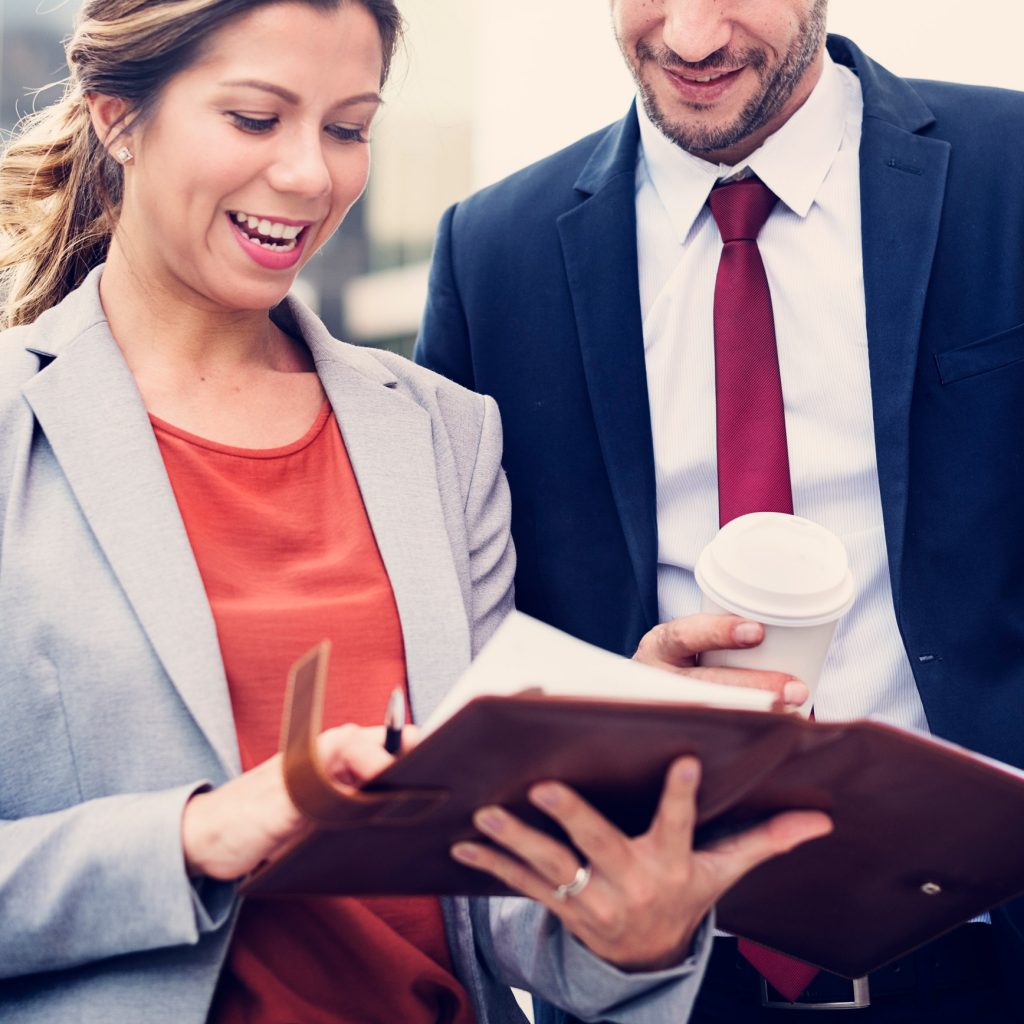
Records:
x=114, y=702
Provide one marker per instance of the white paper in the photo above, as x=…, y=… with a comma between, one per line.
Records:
x=525, y=654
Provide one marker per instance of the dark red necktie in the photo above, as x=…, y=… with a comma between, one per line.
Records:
x=753, y=461
x=753, y=458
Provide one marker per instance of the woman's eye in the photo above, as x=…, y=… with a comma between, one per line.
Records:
x=256, y=125
x=343, y=134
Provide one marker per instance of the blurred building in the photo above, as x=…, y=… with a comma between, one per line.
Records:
x=485, y=88
x=31, y=55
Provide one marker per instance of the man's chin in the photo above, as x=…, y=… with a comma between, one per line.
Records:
x=701, y=138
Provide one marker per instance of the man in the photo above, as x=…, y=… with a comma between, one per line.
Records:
x=581, y=293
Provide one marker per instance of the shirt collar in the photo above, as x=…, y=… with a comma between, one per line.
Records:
x=793, y=162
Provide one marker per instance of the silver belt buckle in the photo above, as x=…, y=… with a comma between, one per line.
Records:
x=861, y=999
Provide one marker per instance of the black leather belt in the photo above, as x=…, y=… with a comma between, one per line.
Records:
x=963, y=960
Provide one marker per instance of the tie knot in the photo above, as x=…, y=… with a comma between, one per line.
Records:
x=741, y=208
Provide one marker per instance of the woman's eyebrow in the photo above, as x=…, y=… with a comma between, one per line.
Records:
x=290, y=97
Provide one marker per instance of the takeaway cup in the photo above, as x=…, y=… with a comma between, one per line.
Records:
x=789, y=574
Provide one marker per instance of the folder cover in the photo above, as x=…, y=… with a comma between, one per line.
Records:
x=926, y=835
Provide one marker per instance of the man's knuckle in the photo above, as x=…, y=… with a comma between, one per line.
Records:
x=643, y=894
x=608, y=918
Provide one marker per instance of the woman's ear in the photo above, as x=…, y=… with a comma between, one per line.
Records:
x=108, y=115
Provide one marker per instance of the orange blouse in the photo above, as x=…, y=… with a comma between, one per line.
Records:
x=288, y=557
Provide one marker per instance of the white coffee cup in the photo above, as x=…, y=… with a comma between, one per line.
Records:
x=789, y=574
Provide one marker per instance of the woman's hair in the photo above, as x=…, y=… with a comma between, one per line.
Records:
x=60, y=191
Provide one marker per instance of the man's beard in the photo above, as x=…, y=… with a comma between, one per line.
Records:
x=777, y=86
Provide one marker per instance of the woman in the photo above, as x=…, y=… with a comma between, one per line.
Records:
x=196, y=483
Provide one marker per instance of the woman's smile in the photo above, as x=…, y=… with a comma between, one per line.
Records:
x=274, y=244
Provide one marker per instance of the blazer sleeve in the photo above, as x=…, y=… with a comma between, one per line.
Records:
x=102, y=878
x=492, y=559
x=97, y=878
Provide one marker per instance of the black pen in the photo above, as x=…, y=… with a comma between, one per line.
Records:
x=394, y=721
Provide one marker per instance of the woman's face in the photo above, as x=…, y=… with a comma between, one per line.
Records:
x=253, y=155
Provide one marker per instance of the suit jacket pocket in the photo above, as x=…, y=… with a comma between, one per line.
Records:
x=992, y=353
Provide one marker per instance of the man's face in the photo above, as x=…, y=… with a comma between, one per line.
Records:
x=719, y=76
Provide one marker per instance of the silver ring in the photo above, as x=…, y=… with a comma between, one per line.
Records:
x=576, y=886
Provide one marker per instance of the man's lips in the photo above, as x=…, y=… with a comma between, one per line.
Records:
x=705, y=85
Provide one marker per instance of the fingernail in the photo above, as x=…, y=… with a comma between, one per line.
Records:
x=747, y=633
x=546, y=795
x=687, y=772
x=464, y=852
x=490, y=820
x=795, y=693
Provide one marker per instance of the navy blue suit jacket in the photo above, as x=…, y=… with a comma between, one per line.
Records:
x=534, y=300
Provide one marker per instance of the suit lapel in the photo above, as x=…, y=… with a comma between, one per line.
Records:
x=389, y=440
x=903, y=181
x=92, y=415
x=903, y=177
x=599, y=249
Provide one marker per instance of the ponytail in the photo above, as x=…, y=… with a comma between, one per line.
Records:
x=58, y=197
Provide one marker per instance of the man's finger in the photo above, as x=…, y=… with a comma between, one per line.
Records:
x=730, y=859
x=545, y=856
x=514, y=873
x=790, y=689
x=679, y=641
x=672, y=828
x=601, y=843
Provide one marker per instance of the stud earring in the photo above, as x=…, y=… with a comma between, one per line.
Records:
x=123, y=155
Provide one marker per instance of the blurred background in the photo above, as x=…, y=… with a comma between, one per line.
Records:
x=483, y=87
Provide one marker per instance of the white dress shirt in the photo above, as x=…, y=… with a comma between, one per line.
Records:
x=811, y=247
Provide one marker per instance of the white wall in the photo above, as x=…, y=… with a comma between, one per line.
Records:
x=549, y=70
x=422, y=138
x=976, y=42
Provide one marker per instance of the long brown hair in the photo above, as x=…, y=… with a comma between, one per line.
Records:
x=60, y=190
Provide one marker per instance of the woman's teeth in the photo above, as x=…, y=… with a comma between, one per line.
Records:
x=268, y=233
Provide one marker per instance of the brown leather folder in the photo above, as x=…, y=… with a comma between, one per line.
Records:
x=926, y=835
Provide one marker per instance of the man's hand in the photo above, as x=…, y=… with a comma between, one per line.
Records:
x=676, y=645
x=644, y=897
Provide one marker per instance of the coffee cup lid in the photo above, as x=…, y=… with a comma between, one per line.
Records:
x=778, y=569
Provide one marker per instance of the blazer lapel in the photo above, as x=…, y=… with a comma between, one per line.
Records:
x=389, y=440
x=599, y=249
x=93, y=417
x=903, y=181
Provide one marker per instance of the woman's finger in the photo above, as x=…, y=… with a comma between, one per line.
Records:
x=411, y=736
x=351, y=754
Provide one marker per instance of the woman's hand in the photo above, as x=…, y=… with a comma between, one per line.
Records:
x=228, y=831
x=676, y=645
x=644, y=897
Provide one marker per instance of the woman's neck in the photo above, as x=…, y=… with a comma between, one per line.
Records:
x=160, y=326
x=228, y=375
